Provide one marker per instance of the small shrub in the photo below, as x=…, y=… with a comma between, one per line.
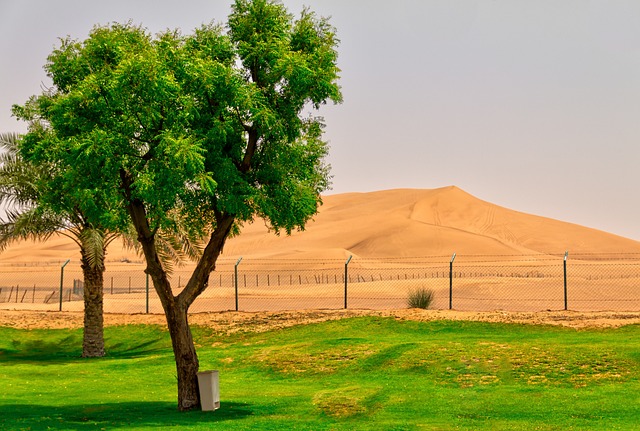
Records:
x=420, y=298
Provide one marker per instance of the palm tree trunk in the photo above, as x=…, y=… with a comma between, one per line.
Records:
x=93, y=338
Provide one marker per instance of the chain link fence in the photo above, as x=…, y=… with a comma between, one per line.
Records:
x=584, y=282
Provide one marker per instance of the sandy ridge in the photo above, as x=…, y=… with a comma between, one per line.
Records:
x=232, y=322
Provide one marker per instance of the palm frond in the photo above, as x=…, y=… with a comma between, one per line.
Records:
x=28, y=224
x=129, y=239
x=178, y=244
x=19, y=190
x=9, y=142
x=93, y=246
x=109, y=237
x=17, y=177
x=183, y=246
x=167, y=255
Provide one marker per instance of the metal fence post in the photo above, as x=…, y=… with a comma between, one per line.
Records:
x=566, y=254
x=236, y=279
x=147, y=289
x=62, y=281
x=346, y=279
x=451, y=281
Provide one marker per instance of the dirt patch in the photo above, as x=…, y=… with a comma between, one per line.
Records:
x=231, y=322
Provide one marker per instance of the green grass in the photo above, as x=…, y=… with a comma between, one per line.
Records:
x=353, y=374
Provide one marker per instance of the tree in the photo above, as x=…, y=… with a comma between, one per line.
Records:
x=21, y=185
x=206, y=128
x=23, y=188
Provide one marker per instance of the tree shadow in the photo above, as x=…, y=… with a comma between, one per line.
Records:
x=57, y=350
x=126, y=415
x=51, y=350
x=124, y=350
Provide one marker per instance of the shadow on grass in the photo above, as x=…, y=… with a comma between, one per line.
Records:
x=42, y=350
x=125, y=415
x=45, y=351
x=135, y=350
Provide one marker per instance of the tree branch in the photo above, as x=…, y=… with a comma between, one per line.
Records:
x=244, y=126
x=252, y=145
x=200, y=278
x=147, y=240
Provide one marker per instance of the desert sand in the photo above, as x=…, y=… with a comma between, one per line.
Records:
x=399, y=240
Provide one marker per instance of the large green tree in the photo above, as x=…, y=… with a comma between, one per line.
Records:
x=208, y=129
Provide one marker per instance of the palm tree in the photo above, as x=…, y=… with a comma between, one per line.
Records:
x=27, y=219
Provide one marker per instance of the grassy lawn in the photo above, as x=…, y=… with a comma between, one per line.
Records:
x=361, y=373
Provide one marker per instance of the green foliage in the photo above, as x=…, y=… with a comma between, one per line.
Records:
x=29, y=189
x=358, y=373
x=17, y=188
x=22, y=186
x=420, y=297
x=205, y=123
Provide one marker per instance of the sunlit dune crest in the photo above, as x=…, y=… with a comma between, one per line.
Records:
x=389, y=223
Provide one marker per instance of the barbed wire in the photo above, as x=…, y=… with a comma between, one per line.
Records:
x=528, y=282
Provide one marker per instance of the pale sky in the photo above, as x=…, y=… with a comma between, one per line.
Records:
x=532, y=105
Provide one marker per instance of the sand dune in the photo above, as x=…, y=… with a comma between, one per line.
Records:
x=390, y=223
x=408, y=223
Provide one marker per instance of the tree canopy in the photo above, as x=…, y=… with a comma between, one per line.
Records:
x=205, y=131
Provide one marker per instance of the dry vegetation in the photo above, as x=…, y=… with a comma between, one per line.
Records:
x=230, y=322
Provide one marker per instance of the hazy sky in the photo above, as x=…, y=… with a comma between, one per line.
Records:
x=532, y=105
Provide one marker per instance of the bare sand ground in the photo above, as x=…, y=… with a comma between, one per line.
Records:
x=232, y=322
x=483, y=294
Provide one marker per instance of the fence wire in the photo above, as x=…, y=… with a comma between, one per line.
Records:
x=585, y=282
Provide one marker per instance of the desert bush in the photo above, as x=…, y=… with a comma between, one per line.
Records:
x=420, y=297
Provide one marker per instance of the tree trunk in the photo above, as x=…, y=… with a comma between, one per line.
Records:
x=93, y=337
x=176, y=310
x=185, y=356
x=176, y=307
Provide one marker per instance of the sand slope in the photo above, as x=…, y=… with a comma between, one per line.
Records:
x=390, y=223
x=407, y=222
